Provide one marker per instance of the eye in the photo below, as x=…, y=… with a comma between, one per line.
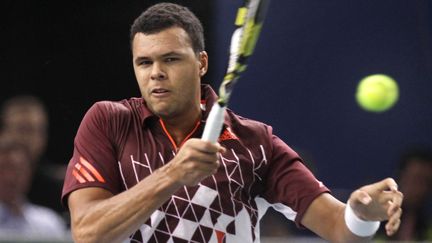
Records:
x=171, y=59
x=145, y=63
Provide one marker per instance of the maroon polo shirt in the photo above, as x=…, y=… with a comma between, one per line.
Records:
x=120, y=143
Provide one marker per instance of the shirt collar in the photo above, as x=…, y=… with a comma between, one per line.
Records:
x=208, y=98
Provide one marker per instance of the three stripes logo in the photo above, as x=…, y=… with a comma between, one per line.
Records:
x=85, y=172
x=227, y=134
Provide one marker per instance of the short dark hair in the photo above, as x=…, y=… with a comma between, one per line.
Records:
x=162, y=16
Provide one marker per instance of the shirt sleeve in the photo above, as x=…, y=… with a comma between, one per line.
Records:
x=94, y=161
x=290, y=186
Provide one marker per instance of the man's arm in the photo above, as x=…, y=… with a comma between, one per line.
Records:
x=376, y=202
x=99, y=216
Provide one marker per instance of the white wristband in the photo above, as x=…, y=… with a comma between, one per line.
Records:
x=358, y=226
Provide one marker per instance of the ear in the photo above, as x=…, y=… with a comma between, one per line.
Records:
x=203, y=59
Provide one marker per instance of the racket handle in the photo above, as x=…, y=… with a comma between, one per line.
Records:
x=214, y=123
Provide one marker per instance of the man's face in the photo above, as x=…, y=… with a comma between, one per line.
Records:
x=168, y=72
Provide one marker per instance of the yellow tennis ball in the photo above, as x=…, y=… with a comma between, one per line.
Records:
x=377, y=93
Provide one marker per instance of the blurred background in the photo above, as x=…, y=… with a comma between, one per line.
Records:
x=301, y=80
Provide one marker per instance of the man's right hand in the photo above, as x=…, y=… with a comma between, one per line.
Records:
x=99, y=216
x=196, y=160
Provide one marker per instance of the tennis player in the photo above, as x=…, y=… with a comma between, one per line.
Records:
x=140, y=172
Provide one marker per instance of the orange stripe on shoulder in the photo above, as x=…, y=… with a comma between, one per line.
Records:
x=84, y=172
x=92, y=169
x=78, y=176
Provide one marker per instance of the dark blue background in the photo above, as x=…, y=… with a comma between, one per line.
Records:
x=303, y=76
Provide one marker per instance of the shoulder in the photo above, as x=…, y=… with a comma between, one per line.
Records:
x=247, y=126
x=111, y=109
x=250, y=133
x=114, y=107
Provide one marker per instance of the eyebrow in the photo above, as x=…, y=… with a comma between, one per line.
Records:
x=171, y=53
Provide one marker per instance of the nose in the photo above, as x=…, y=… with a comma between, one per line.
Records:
x=157, y=72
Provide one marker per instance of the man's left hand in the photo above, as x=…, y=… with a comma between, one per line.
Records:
x=378, y=202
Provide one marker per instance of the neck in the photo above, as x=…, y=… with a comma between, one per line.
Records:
x=180, y=128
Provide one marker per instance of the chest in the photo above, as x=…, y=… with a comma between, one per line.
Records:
x=144, y=152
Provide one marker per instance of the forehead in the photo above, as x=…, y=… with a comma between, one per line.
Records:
x=174, y=39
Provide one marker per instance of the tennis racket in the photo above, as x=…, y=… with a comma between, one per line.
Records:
x=249, y=20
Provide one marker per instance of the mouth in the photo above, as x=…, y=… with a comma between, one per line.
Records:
x=159, y=92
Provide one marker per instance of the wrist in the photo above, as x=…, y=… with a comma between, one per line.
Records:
x=169, y=173
x=359, y=226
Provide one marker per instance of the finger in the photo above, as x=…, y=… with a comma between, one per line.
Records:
x=394, y=202
x=208, y=147
x=386, y=184
x=207, y=158
x=396, y=215
x=204, y=167
x=393, y=208
x=222, y=149
x=216, y=169
x=397, y=198
x=385, y=196
x=201, y=145
x=393, y=223
x=392, y=228
x=209, y=170
x=360, y=197
x=191, y=155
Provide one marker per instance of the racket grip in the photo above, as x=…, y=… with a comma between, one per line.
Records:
x=214, y=123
